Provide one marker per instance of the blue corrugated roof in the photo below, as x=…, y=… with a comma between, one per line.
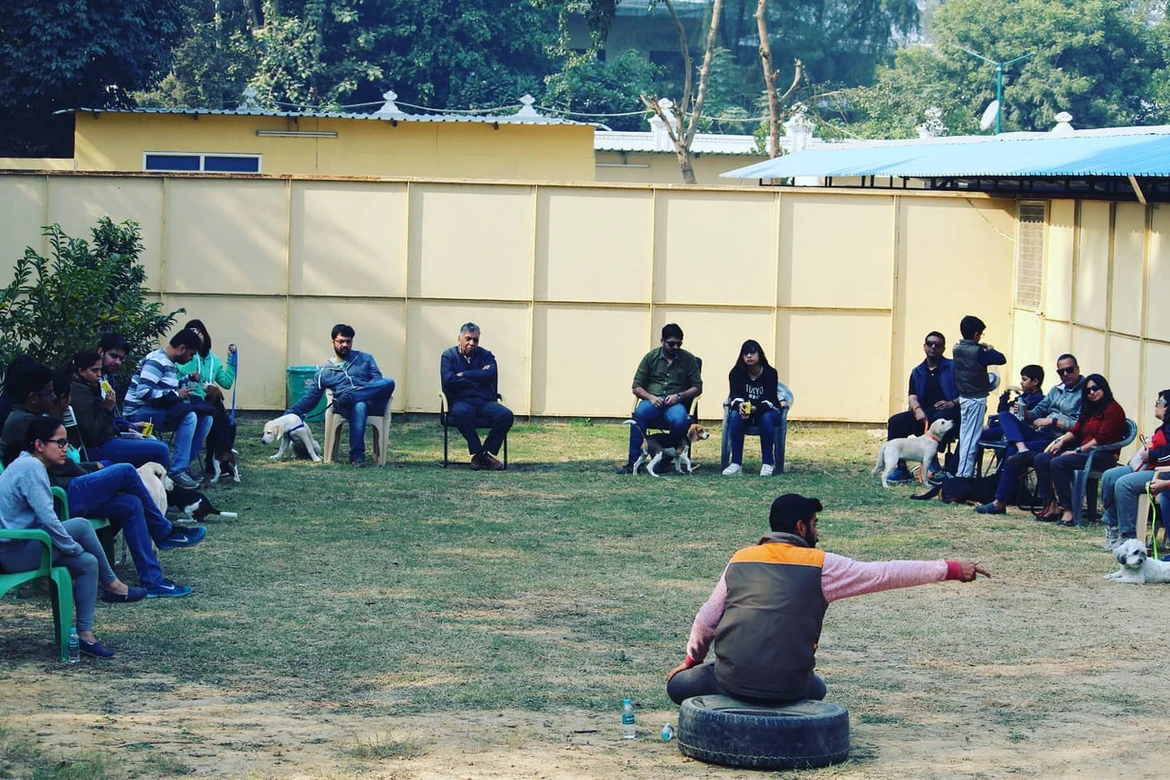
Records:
x=1089, y=154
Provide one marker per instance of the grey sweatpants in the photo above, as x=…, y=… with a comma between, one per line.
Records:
x=88, y=568
x=971, y=414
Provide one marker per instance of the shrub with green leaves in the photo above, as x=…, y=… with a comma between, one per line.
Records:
x=55, y=306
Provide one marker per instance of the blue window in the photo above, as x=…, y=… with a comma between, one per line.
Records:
x=231, y=164
x=172, y=162
x=212, y=163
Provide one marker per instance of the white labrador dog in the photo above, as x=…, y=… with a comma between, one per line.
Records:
x=1137, y=566
x=290, y=430
x=915, y=448
x=157, y=483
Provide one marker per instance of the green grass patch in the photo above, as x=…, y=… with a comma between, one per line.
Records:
x=557, y=585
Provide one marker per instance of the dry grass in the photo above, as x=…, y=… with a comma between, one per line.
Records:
x=492, y=623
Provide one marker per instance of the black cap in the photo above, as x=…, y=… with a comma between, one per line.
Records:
x=790, y=508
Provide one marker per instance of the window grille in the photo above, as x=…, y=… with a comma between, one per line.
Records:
x=1030, y=221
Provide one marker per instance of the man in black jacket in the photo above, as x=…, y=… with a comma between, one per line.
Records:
x=470, y=375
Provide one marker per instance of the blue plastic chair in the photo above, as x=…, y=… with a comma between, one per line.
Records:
x=1085, y=480
x=785, y=395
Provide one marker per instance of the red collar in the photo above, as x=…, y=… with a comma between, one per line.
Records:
x=931, y=436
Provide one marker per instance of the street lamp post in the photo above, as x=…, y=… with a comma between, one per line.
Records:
x=999, y=66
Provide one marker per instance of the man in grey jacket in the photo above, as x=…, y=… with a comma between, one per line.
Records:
x=358, y=389
x=1048, y=419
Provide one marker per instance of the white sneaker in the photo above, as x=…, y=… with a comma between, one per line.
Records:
x=766, y=470
x=732, y=470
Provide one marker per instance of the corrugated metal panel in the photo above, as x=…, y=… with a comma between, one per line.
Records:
x=1088, y=155
x=468, y=118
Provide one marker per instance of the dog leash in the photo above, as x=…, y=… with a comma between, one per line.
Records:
x=234, y=361
x=1153, y=525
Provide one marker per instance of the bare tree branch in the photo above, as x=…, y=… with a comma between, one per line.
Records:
x=704, y=72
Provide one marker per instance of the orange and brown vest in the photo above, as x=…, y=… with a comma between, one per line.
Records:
x=766, y=641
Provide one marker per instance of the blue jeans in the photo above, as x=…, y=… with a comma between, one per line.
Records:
x=1121, y=487
x=647, y=414
x=88, y=568
x=136, y=452
x=190, y=433
x=466, y=413
x=356, y=405
x=1035, y=440
x=117, y=494
x=768, y=422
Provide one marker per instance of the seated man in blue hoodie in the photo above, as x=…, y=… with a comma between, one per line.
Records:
x=932, y=394
x=358, y=389
x=470, y=377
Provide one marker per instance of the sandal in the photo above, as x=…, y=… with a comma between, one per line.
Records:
x=1050, y=512
x=1066, y=523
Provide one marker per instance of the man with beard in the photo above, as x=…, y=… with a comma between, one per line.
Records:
x=358, y=388
x=766, y=612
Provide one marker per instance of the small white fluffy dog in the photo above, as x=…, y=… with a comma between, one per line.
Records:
x=289, y=429
x=1137, y=566
x=157, y=483
x=915, y=448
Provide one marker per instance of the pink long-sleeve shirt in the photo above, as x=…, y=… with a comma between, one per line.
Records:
x=841, y=578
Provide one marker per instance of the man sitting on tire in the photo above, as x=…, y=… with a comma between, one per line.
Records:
x=765, y=613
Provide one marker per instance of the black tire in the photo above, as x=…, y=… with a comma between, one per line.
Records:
x=726, y=731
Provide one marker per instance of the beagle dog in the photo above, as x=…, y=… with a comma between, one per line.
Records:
x=657, y=446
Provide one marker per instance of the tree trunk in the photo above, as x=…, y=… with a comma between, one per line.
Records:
x=769, y=80
x=688, y=123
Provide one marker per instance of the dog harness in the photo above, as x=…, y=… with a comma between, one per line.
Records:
x=288, y=434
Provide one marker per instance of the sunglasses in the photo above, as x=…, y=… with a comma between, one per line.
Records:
x=936, y=344
x=673, y=344
x=1092, y=389
x=1066, y=371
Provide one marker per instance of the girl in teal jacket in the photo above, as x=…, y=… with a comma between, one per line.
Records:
x=205, y=368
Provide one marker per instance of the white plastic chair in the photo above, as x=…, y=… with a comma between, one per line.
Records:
x=334, y=421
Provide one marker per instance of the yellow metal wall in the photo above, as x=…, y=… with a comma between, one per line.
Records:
x=363, y=147
x=36, y=163
x=1104, y=266
x=571, y=284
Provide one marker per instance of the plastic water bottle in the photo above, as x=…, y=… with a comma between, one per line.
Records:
x=628, y=730
x=668, y=732
x=74, y=647
x=1019, y=410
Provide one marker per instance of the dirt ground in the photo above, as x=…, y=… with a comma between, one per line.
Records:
x=163, y=729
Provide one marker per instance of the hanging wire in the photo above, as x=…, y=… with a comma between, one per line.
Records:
x=483, y=111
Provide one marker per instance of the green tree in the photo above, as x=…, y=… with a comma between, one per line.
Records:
x=836, y=40
x=213, y=63
x=589, y=85
x=1092, y=58
x=74, y=53
x=56, y=306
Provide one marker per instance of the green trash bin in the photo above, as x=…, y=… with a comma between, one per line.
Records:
x=300, y=381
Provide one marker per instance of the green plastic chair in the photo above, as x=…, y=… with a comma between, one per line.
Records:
x=62, y=593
